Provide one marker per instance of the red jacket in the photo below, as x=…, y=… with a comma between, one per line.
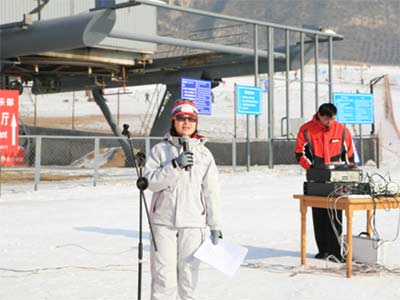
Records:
x=317, y=144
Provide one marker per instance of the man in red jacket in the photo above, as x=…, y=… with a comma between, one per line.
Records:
x=323, y=141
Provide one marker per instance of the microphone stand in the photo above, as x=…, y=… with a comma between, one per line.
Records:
x=142, y=183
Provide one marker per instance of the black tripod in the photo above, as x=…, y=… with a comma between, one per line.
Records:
x=139, y=160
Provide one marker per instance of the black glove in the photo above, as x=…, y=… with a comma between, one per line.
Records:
x=185, y=159
x=215, y=235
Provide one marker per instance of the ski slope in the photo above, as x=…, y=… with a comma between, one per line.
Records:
x=71, y=241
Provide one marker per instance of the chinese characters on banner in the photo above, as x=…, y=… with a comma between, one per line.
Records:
x=10, y=152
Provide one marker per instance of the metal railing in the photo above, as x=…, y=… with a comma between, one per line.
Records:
x=301, y=37
x=91, y=159
x=53, y=158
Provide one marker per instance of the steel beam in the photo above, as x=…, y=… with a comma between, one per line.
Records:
x=187, y=43
x=161, y=4
x=78, y=31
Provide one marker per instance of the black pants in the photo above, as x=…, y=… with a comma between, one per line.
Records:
x=325, y=237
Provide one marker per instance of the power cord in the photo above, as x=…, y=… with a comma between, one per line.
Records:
x=96, y=252
x=106, y=268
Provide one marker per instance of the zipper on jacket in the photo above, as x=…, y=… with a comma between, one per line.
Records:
x=176, y=205
x=202, y=203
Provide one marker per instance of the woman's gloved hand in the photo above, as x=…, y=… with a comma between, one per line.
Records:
x=215, y=235
x=185, y=159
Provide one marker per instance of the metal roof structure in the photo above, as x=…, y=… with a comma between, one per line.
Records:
x=62, y=54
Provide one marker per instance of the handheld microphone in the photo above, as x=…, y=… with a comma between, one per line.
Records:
x=185, y=143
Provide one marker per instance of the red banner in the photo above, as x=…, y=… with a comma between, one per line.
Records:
x=9, y=125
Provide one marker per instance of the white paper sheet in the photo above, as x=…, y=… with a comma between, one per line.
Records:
x=225, y=257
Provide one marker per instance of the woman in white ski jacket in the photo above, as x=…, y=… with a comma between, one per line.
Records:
x=185, y=201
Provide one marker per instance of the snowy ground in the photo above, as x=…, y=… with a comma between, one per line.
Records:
x=73, y=241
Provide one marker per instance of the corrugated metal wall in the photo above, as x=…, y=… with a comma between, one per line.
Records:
x=12, y=11
x=140, y=18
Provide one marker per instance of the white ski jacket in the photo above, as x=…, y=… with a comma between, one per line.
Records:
x=183, y=198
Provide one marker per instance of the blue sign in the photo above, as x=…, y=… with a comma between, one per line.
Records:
x=199, y=91
x=248, y=99
x=354, y=108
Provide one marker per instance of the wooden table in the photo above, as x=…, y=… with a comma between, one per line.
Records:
x=349, y=204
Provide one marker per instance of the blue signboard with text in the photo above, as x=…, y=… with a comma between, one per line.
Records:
x=354, y=108
x=199, y=91
x=248, y=99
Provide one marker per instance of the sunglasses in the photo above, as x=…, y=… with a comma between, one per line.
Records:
x=181, y=118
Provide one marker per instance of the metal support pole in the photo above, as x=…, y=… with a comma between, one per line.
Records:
x=362, y=75
x=118, y=108
x=316, y=61
x=234, y=113
x=287, y=41
x=371, y=90
x=38, y=152
x=257, y=121
x=35, y=111
x=39, y=14
x=73, y=110
x=377, y=153
x=248, y=142
x=96, y=160
x=361, y=146
x=302, y=75
x=270, y=96
x=330, y=60
x=234, y=154
x=371, y=87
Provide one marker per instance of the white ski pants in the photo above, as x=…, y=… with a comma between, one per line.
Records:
x=174, y=270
